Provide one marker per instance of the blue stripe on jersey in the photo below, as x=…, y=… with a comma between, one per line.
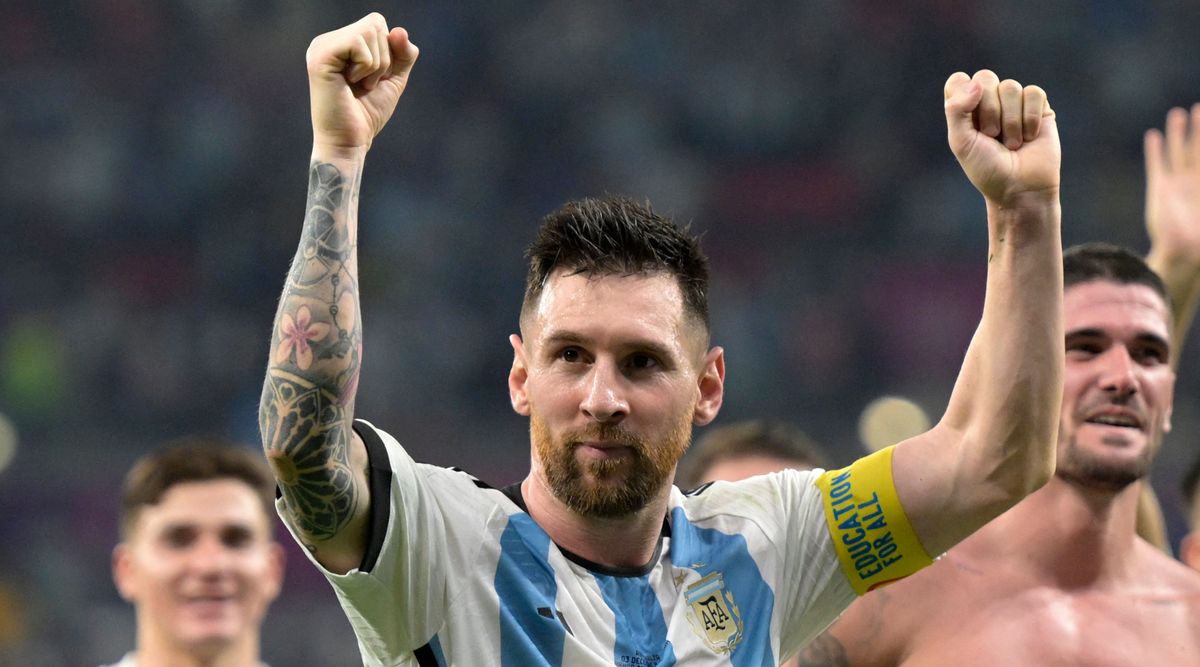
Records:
x=524, y=583
x=707, y=550
x=436, y=645
x=640, y=627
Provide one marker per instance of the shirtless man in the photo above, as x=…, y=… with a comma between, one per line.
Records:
x=1062, y=579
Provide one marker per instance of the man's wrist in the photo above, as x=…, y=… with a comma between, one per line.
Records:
x=1027, y=217
x=339, y=154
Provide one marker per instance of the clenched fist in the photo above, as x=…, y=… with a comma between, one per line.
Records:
x=356, y=75
x=1004, y=136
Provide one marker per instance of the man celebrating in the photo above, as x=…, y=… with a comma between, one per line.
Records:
x=196, y=557
x=595, y=558
x=1062, y=578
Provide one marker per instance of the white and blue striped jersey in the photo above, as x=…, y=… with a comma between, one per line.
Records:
x=458, y=573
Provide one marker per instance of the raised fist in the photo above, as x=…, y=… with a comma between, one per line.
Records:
x=356, y=75
x=1004, y=136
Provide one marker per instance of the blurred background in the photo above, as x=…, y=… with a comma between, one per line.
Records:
x=153, y=187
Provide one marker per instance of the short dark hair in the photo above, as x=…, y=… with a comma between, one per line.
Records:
x=617, y=236
x=1190, y=487
x=192, y=459
x=1088, y=262
x=759, y=437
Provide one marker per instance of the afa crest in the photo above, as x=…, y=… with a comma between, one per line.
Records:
x=713, y=614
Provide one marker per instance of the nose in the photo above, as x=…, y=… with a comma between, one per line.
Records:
x=604, y=398
x=209, y=556
x=1119, y=374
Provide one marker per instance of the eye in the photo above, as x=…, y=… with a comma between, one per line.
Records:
x=1149, y=355
x=236, y=537
x=178, y=537
x=1083, y=348
x=570, y=355
x=642, y=361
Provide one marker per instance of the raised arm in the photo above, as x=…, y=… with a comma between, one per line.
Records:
x=1173, y=215
x=1173, y=224
x=996, y=442
x=356, y=75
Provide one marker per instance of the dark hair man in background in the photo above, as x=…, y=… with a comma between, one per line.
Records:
x=197, y=558
x=1062, y=578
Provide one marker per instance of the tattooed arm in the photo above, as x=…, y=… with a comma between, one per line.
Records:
x=356, y=76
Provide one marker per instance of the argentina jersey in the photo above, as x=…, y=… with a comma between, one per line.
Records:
x=458, y=573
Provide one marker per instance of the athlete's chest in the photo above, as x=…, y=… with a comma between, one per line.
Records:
x=1053, y=627
x=705, y=598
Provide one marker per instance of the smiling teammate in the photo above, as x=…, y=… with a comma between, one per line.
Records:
x=595, y=558
x=1062, y=578
x=197, y=558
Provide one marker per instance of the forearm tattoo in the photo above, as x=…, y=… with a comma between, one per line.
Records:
x=316, y=351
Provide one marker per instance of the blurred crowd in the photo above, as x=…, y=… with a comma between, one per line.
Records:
x=153, y=185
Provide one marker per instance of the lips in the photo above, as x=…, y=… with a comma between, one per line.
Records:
x=603, y=450
x=1118, y=417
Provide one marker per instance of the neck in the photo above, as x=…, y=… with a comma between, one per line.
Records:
x=622, y=542
x=154, y=649
x=1066, y=534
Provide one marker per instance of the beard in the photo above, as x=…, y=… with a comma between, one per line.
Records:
x=613, y=487
x=1086, y=468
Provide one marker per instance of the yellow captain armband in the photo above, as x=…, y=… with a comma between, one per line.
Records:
x=870, y=531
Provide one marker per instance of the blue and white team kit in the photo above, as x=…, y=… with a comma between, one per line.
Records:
x=746, y=573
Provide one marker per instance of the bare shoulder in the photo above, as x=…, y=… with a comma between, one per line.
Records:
x=1167, y=576
x=884, y=625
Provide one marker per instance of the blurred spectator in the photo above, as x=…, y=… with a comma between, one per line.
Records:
x=197, y=558
x=746, y=449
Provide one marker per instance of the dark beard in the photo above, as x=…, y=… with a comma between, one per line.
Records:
x=620, y=487
x=1085, y=470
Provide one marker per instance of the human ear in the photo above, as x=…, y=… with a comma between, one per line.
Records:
x=275, y=568
x=711, y=383
x=1170, y=403
x=518, y=376
x=122, y=572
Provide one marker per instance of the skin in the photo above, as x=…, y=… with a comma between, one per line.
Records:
x=1172, y=157
x=1189, y=547
x=734, y=468
x=201, y=569
x=642, y=366
x=1061, y=578
x=993, y=446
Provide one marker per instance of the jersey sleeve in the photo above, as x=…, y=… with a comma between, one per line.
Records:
x=397, y=599
x=874, y=540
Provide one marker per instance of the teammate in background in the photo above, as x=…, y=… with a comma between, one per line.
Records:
x=1062, y=578
x=197, y=558
x=595, y=558
x=1189, y=547
x=736, y=451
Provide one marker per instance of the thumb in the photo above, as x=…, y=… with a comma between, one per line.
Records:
x=404, y=53
x=962, y=97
